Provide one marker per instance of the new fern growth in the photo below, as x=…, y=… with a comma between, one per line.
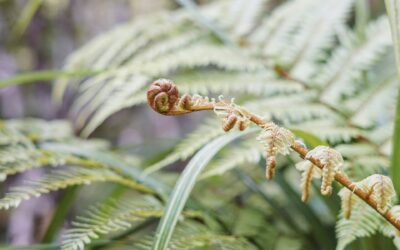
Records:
x=376, y=190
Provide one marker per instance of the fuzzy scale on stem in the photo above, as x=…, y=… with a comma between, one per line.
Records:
x=169, y=106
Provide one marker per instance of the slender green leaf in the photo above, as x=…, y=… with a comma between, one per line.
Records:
x=393, y=10
x=184, y=186
x=362, y=16
x=59, y=214
x=25, y=18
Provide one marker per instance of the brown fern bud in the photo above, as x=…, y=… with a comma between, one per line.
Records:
x=243, y=124
x=185, y=102
x=162, y=95
x=229, y=122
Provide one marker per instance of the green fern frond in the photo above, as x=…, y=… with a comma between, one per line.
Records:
x=20, y=145
x=236, y=157
x=260, y=84
x=328, y=82
x=316, y=35
x=281, y=19
x=187, y=235
x=19, y=159
x=282, y=27
x=381, y=134
x=333, y=134
x=109, y=218
x=363, y=160
x=369, y=112
x=361, y=167
x=363, y=222
x=188, y=146
x=348, y=62
x=94, y=99
x=40, y=130
x=243, y=16
x=61, y=179
x=105, y=99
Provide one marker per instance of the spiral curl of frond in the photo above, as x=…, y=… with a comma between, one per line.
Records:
x=162, y=95
x=327, y=162
x=185, y=102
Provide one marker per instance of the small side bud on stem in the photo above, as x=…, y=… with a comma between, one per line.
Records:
x=185, y=102
x=229, y=122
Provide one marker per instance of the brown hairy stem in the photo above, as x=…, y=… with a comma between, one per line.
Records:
x=169, y=109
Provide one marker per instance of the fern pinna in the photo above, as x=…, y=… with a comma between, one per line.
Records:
x=318, y=76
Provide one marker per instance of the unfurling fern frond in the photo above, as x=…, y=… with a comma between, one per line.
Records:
x=359, y=220
x=381, y=190
x=363, y=222
x=276, y=140
x=309, y=171
x=332, y=163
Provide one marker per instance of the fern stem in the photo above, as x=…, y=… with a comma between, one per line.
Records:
x=44, y=75
x=25, y=18
x=362, y=16
x=297, y=147
x=59, y=215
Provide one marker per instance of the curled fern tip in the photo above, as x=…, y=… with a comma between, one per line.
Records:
x=162, y=95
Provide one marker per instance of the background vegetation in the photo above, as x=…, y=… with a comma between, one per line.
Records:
x=85, y=164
